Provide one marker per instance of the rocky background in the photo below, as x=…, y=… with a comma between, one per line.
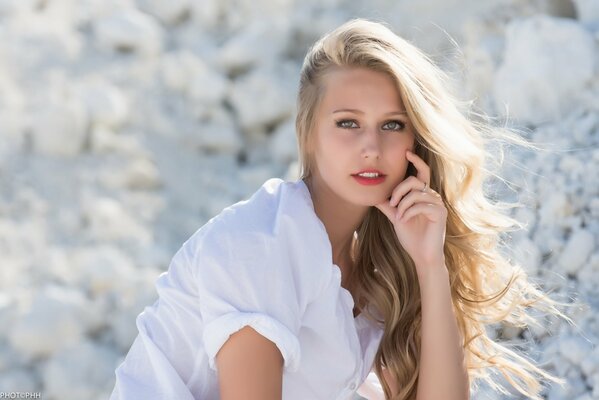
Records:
x=126, y=124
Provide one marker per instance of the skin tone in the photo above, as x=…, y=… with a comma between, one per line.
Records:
x=378, y=135
x=375, y=135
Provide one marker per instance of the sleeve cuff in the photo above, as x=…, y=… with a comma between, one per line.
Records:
x=217, y=332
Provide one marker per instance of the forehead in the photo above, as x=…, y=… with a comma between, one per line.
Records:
x=360, y=88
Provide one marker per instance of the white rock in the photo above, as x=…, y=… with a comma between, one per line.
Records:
x=255, y=175
x=142, y=174
x=510, y=332
x=132, y=296
x=527, y=216
x=123, y=327
x=260, y=40
x=139, y=174
x=130, y=31
x=577, y=250
x=205, y=14
x=574, y=386
x=36, y=43
x=12, y=118
x=219, y=134
x=594, y=383
x=590, y=362
x=574, y=349
x=214, y=205
x=553, y=208
x=108, y=220
x=588, y=275
x=236, y=18
x=54, y=319
x=528, y=256
x=170, y=12
x=584, y=127
x=60, y=129
x=283, y=144
x=105, y=140
x=207, y=87
x=556, y=50
x=573, y=167
x=421, y=20
x=12, y=7
x=82, y=371
x=550, y=242
x=106, y=104
x=262, y=97
x=20, y=378
x=101, y=269
x=177, y=68
x=185, y=72
x=480, y=77
x=588, y=12
x=7, y=314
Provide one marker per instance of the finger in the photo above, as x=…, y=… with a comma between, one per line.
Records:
x=404, y=187
x=385, y=208
x=416, y=196
x=424, y=171
x=434, y=212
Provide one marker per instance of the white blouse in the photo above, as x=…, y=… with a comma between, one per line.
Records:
x=265, y=262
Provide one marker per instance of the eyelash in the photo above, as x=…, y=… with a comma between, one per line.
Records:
x=400, y=123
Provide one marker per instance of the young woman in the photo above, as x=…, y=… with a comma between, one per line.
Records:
x=381, y=259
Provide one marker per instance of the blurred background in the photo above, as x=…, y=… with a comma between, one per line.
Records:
x=126, y=125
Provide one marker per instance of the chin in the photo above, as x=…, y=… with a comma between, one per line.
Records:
x=370, y=201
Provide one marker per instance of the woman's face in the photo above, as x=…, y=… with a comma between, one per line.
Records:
x=361, y=124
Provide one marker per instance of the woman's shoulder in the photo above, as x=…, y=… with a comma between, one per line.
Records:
x=268, y=233
x=258, y=223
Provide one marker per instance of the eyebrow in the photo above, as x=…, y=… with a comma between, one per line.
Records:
x=361, y=112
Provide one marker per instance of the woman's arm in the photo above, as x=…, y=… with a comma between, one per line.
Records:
x=442, y=369
x=419, y=217
x=250, y=367
x=443, y=373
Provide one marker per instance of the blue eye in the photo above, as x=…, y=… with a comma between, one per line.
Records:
x=342, y=121
x=399, y=124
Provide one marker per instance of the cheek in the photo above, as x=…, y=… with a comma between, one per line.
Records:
x=399, y=147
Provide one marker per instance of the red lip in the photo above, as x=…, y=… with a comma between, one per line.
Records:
x=369, y=181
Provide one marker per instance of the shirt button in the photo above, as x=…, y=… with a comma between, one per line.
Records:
x=352, y=386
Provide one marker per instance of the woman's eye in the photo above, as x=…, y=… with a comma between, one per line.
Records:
x=340, y=123
x=398, y=125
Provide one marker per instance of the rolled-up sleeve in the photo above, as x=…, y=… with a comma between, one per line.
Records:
x=219, y=281
x=243, y=280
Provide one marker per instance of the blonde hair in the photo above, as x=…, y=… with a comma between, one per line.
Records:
x=486, y=287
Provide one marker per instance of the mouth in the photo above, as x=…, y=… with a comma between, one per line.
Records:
x=369, y=179
x=369, y=173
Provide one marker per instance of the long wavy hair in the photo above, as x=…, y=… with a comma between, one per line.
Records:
x=486, y=287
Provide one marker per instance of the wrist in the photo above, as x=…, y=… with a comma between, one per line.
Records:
x=431, y=271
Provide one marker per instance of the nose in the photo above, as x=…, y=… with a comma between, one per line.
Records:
x=371, y=146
